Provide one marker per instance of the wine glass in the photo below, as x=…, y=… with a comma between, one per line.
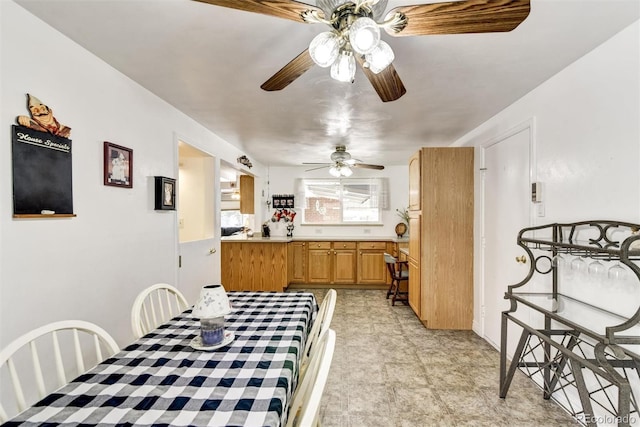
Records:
x=616, y=272
x=578, y=265
x=596, y=268
x=558, y=261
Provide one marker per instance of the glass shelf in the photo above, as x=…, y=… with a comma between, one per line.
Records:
x=577, y=315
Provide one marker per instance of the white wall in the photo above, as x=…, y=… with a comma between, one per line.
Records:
x=282, y=181
x=92, y=266
x=587, y=138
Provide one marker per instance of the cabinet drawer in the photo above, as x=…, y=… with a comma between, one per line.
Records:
x=319, y=245
x=344, y=245
x=372, y=245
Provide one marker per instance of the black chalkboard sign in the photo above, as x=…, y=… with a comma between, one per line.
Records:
x=41, y=173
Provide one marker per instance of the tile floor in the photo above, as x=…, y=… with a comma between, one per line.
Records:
x=390, y=371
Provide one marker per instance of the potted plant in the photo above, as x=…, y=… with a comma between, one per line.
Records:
x=402, y=227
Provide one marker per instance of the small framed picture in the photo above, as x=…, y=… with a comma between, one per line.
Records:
x=118, y=165
x=165, y=193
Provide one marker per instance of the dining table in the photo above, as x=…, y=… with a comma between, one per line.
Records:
x=161, y=380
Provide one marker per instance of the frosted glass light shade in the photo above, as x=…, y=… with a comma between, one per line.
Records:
x=334, y=171
x=346, y=171
x=213, y=302
x=364, y=35
x=324, y=48
x=344, y=69
x=380, y=57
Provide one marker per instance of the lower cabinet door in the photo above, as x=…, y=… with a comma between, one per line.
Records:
x=344, y=266
x=319, y=266
x=415, y=287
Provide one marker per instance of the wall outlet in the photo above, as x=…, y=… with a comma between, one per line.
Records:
x=318, y=230
x=366, y=231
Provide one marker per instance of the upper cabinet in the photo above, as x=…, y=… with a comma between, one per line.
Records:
x=415, y=199
x=247, y=203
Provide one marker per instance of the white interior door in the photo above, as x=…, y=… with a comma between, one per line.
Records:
x=199, y=244
x=506, y=210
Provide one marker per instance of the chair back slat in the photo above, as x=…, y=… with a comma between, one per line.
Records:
x=37, y=369
x=97, y=348
x=154, y=306
x=78, y=351
x=57, y=354
x=17, y=386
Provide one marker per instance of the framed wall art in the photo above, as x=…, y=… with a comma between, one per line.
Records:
x=165, y=193
x=118, y=165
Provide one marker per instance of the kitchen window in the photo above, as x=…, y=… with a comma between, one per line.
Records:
x=346, y=201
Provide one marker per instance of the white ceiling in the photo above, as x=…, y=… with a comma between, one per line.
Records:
x=210, y=61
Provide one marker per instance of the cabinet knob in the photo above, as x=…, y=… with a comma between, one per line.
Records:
x=303, y=244
x=344, y=245
x=328, y=252
x=212, y=251
x=521, y=259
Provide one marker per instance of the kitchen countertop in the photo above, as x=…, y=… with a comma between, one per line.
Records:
x=284, y=239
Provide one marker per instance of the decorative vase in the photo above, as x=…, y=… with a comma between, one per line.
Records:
x=401, y=229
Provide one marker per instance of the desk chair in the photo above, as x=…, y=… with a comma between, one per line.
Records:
x=399, y=272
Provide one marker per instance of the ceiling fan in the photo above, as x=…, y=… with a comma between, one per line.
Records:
x=342, y=162
x=355, y=33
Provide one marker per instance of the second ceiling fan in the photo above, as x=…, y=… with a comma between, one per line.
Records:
x=354, y=35
x=341, y=163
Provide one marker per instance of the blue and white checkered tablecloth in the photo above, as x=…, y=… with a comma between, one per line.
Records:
x=160, y=380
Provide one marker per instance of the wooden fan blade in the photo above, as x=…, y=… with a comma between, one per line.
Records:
x=366, y=166
x=287, y=74
x=460, y=17
x=387, y=82
x=287, y=9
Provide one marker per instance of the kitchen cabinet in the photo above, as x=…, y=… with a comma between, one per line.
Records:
x=414, y=182
x=415, y=248
x=254, y=266
x=344, y=262
x=372, y=269
x=297, y=262
x=441, y=236
x=247, y=203
x=332, y=262
x=319, y=257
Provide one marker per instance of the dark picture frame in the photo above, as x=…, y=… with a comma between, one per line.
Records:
x=165, y=193
x=118, y=165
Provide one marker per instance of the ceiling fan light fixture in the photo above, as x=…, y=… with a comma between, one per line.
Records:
x=325, y=48
x=335, y=171
x=344, y=68
x=346, y=171
x=364, y=35
x=380, y=57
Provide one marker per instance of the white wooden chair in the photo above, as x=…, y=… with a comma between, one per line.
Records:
x=305, y=405
x=154, y=306
x=55, y=343
x=320, y=325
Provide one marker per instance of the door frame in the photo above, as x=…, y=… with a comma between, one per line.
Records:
x=177, y=138
x=530, y=125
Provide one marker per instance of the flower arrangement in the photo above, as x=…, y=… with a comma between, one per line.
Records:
x=404, y=214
